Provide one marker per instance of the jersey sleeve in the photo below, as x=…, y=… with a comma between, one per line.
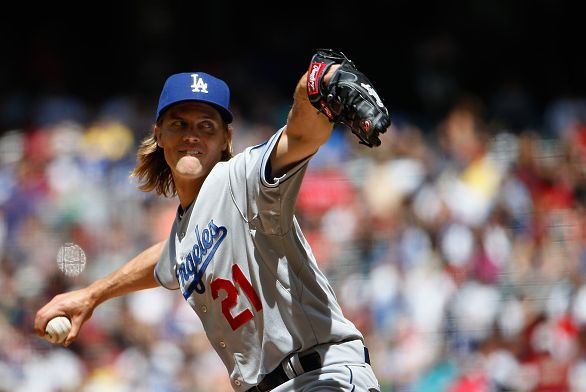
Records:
x=165, y=268
x=267, y=202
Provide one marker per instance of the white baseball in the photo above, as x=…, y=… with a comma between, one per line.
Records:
x=57, y=329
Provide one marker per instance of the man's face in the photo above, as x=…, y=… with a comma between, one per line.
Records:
x=193, y=136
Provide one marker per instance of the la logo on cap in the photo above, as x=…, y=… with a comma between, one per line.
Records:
x=198, y=86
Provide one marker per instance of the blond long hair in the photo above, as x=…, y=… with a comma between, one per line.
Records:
x=153, y=172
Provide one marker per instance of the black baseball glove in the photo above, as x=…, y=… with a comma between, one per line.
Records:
x=349, y=98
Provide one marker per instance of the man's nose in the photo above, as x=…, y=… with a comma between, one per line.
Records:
x=191, y=134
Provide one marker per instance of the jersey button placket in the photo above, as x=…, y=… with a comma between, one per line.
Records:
x=222, y=344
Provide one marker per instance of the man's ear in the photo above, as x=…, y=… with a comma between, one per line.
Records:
x=228, y=142
x=157, y=135
x=227, y=152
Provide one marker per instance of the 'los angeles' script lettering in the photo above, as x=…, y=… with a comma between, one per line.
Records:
x=190, y=271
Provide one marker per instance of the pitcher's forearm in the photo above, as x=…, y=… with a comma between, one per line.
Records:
x=137, y=274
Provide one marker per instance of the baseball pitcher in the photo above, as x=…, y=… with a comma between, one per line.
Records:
x=236, y=252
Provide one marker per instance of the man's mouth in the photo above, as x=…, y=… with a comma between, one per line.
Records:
x=192, y=152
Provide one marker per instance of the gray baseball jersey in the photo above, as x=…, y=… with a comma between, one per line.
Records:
x=242, y=263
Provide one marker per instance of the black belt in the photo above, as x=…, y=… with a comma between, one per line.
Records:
x=309, y=362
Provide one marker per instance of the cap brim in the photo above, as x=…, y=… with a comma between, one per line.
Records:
x=225, y=114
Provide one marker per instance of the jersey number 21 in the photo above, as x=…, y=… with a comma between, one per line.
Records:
x=232, y=296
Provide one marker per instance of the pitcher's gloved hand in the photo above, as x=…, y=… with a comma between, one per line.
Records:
x=349, y=98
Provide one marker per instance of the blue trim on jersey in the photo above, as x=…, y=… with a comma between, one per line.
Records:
x=158, y=279
x=265, y=176
x=268, y=171
x=351, y=379
x=259, y=145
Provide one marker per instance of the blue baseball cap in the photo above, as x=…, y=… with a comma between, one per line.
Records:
x=196, y=86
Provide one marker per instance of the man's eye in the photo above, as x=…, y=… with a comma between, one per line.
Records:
x=207, y=126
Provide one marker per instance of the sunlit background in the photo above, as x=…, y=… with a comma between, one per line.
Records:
x=457, y=247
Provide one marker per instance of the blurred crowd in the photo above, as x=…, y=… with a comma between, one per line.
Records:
x=458, y=247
